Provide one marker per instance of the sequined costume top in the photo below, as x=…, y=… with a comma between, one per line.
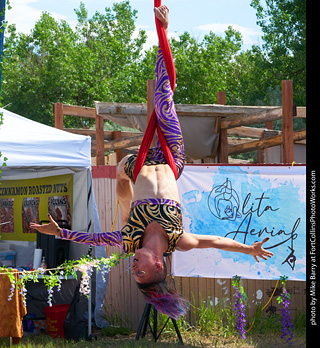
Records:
x=166, y=212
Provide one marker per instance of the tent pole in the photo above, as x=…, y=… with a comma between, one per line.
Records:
x=2, y=18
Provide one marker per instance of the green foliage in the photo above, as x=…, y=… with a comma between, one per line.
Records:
x=4, y=159
x=55, y=63
x=103, y=59
x=51, y=277
x=283, y=24
x=203, y=68
x=236, y=282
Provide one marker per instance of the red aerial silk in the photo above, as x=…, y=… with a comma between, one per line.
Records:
x=153, y=124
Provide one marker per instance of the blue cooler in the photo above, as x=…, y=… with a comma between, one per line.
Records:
x=8, y=258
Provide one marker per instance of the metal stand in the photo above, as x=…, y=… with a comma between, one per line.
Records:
x=145, y=321
x=90, y=336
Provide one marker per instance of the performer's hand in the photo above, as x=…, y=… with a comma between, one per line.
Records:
x=162, y=13
x=51, y=228
x=257, y=250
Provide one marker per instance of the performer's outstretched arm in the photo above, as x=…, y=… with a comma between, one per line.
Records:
x=53, y=229
x=194, y=241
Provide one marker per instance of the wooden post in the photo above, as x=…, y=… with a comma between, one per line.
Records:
x=117, y=135
x=99, y=141
x=268, y=125
x=260, y=156
x=223, y=139
x=287, y=121
x=261, y=153
x=58, y=115
x=151, y=87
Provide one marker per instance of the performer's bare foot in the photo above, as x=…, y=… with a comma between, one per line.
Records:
x=162, y=13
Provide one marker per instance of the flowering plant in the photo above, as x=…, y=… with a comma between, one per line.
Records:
x=52, y=277
x=239, y=306
x=286, y=320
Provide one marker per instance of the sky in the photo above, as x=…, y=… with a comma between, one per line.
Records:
x=198, y=17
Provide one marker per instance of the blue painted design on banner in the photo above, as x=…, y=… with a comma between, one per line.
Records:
x=247, y=207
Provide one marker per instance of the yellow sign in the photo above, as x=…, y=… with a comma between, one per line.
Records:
x=30, y=200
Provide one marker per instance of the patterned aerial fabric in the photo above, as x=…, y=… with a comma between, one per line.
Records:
x=154, y=119
x=168, y=121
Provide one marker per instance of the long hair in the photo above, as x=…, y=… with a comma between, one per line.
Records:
x=164, y=297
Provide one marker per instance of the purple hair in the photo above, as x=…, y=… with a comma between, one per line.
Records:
x=165, y=299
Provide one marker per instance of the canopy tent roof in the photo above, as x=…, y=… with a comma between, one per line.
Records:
x=28, y=143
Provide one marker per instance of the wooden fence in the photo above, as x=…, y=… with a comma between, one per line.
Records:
x=124, y=303
x=235, y=135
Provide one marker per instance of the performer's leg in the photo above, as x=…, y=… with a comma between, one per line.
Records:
x=166, y=113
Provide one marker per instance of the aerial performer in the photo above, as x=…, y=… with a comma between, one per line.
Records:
x=150, y=209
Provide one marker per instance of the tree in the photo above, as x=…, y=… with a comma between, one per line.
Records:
x=202, y=67
x=55, y=63
x=103, y=59
x=283, y=23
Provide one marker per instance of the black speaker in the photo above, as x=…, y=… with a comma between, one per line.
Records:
x=55, y=250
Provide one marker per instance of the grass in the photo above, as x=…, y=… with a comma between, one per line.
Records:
x=214, y=329
x=193, y=338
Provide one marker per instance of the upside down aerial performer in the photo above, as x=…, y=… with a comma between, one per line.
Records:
x=151, y=214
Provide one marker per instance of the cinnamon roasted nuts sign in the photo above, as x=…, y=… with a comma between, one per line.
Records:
x=30, y=200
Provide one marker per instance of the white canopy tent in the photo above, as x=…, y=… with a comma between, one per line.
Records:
x=31, y=144
x=33, y=151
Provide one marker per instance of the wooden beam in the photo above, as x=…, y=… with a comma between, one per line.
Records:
x=58, y=115
x=122, y=143
x=264, y=143
x=287, y=121
x=247, y=120
x=251, y=132
x=223, y=137
x=108, y=135
x=235, y=141
x=197, y=110
x=80, y=111
x=121, y=109
x=99, y=141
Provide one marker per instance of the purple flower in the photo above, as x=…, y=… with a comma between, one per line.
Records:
x=13, y=286
x=59, y=284
x=286, y=320
x=239, y=309
x=23, y=292
x=50, y=294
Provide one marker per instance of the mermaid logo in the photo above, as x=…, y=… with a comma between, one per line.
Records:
x=223, y=202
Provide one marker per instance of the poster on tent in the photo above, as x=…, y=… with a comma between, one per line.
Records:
x=30, y=200
x=246, y=204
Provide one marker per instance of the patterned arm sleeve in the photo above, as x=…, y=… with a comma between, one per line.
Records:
x=106, y=238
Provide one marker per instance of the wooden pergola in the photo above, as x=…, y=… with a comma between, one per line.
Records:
x=235, y=134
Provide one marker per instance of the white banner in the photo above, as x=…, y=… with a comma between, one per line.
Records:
x=247, y=204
